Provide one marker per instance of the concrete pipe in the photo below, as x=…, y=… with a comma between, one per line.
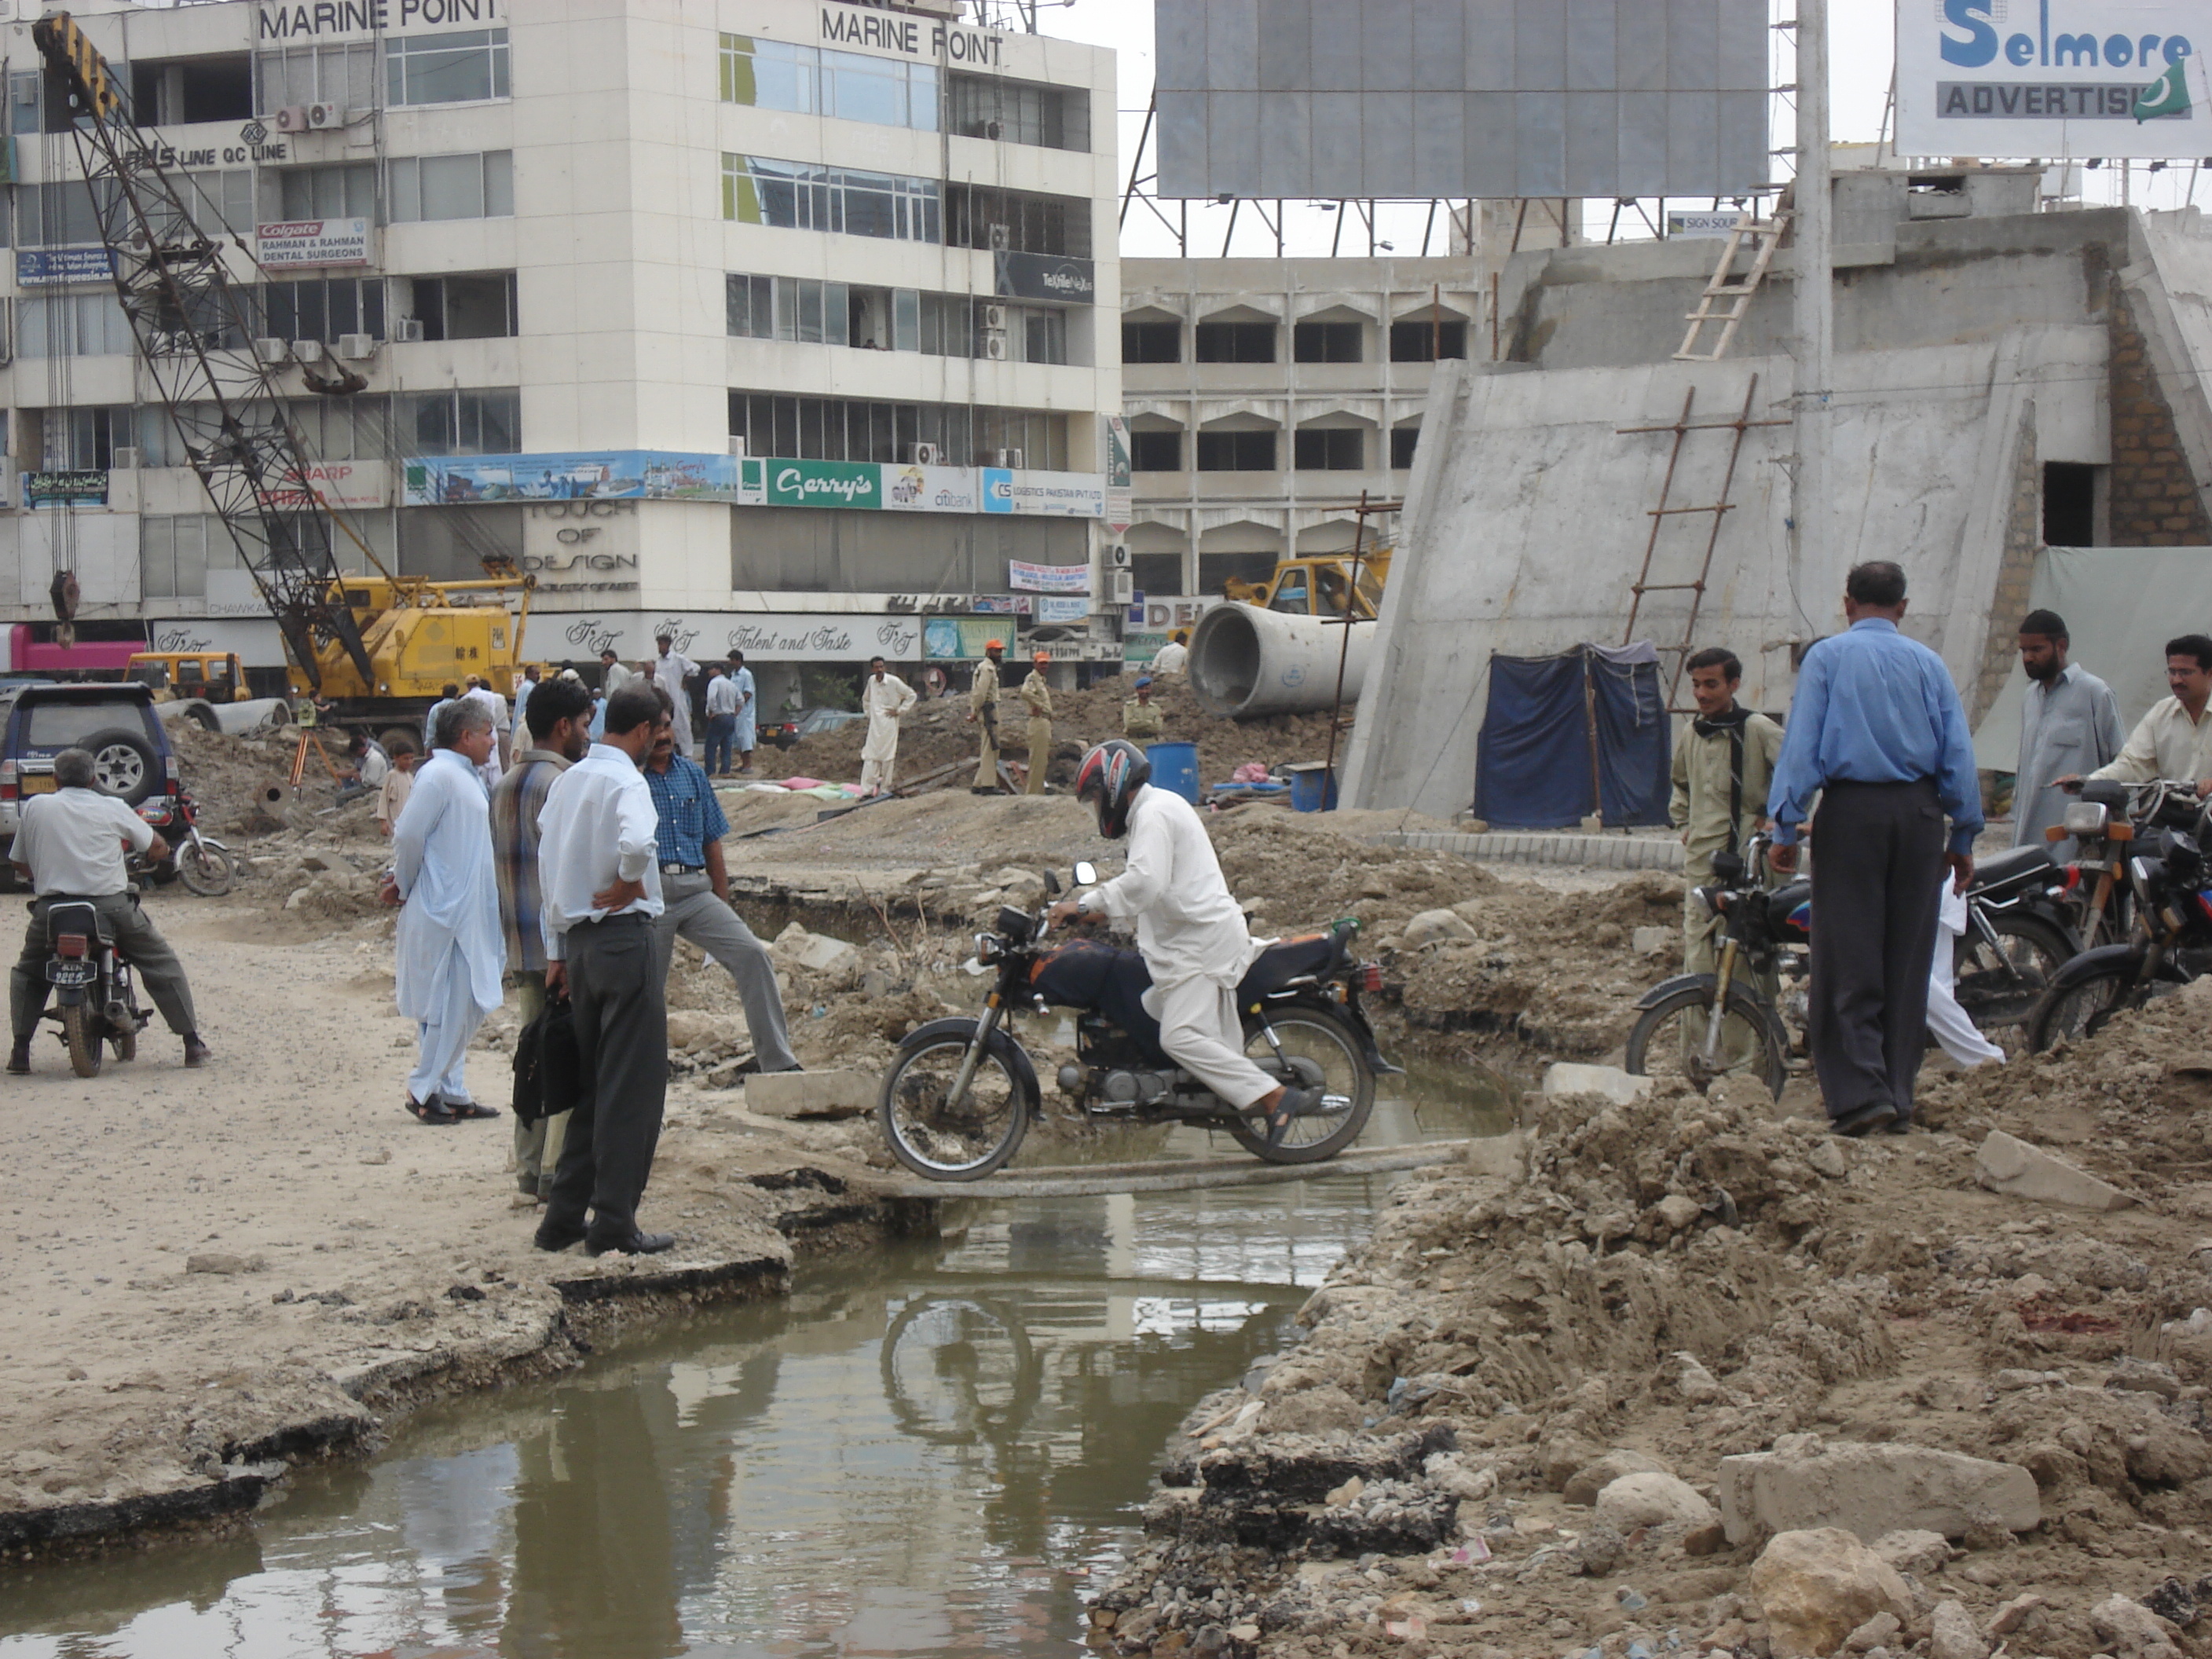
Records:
x=1246, y=661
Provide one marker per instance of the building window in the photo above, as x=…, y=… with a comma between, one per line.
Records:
x=1236, y=451
x=1157, y=573
x=479, y=185
x=90, y=324
x=1152, y=342
x=344, y=76
x=1017, y=221
x=59, y=214
x=1415, y=341
x=1326, y=343
x=1234, y=343
x=179, y=91
x=1041, y=332
x=85, y=439
x=332, y=192
x=947, y=326
x=323, y=309
x=1156, y=452
x=1328, y=449
x=1020, y=111
x=445, y=69
x=802, y=195
x=173, y=554
x=479, y=307
x=220, y=202
x=819, y=81
x=857, y=429
x=1403, y=440
x=458, y=422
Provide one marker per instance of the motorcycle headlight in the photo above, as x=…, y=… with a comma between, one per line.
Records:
x=2085, y=817
x=988, y=948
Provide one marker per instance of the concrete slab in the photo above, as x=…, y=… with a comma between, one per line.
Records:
x=1621, y=1087
x=812, y=1094
x=2005, y=1163
x=1869, y=1489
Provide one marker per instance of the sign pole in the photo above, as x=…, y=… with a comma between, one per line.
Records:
x=1815, y=583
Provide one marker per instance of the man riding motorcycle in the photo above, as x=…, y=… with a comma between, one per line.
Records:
x=1189, y=930
x=70, y=844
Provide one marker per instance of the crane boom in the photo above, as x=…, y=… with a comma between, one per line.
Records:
x=194, y=333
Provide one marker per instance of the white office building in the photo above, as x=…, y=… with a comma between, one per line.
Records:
x=772, y=322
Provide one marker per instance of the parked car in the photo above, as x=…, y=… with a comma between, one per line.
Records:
x=818, y=722
x=115, y=721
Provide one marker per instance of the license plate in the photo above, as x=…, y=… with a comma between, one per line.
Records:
x=38, y=783
x=71, y=973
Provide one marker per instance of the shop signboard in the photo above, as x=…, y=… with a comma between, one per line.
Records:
x=1048, y=578
x=824, y=483
x=362, y=485
x=1047, y=494
x=82, y=488
x=958, y=639
x=930, y=489
x=1044, y=276
x=710, y=636
x=1062, y=610
x=583, y=474
x=57, y=267
x=298, y=242
x=1120, y=497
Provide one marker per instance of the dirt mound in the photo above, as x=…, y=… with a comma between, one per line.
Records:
x=240, y=782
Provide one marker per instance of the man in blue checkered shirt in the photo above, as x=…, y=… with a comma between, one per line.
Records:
x=695, y=885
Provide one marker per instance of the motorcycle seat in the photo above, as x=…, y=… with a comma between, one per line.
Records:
x=1289, y=959
x=77, y=915
x=2004, y=868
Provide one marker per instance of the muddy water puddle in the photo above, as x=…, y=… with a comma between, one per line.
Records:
x=937, y=1449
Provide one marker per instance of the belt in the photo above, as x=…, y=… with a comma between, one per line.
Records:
x=683, y=869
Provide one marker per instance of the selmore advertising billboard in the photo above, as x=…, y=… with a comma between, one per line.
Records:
x=2052, y=78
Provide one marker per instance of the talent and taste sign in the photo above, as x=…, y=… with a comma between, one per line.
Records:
x=709, y=636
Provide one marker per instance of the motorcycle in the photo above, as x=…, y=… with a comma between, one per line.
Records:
x=204, y=864
x=2097, y=880
x=95, y=999
x=962, y=1093
x=2016, y=938
x=2172, y=944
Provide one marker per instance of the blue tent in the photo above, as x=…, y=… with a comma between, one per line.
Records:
x=1566, y=736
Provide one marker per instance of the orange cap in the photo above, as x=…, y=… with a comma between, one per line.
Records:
x=994, y=645
x=1041, y=656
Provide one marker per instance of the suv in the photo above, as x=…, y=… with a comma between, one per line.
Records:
x=131, y=752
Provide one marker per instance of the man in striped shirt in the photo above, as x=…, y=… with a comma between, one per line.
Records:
x=557, y=716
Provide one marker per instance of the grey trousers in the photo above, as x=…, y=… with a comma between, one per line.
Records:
x=142, y=944
x=1877, y=866
x=622, y=1041
x=694, y=913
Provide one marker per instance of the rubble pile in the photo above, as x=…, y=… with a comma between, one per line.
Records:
x=1699, y=1380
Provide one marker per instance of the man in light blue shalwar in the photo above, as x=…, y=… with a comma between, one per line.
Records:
x=450, y=953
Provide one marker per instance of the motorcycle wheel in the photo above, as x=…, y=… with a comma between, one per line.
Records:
x=1753, y=1041
x=205, y=870
x=1984, y=981
x=78, y=1027
x=1327, y=1051
x=2083, y=1008
x=932, y=1139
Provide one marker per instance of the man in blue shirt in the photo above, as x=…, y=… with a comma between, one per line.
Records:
x=1876, y=730
x=695, y=885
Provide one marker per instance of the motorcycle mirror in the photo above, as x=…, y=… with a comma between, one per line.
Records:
x=1086, y=873
x=1728, y=867
x=1051, y=885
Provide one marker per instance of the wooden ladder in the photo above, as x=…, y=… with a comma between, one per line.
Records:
x=1765, y=235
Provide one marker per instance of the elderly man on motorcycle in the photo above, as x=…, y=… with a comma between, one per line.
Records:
x=72, y=844
x=1190, y=931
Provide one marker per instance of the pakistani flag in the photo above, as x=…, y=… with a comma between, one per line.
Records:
x=2167, y=95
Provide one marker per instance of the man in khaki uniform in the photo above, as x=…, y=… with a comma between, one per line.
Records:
x=983, y=710
x=1722, y=770
x=1036, y=697
x=1140, y=715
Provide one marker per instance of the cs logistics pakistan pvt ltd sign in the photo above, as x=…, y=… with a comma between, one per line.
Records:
x=2051, y=78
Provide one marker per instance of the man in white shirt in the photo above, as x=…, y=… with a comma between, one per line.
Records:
x=70, y=845
x=721, y=722
x=673, y=671
x=599, y=893
x=1189, y=929
x=1172, y=657
x=884, y=697
x=501, y=724
x=613, y=675
x=2174, y=739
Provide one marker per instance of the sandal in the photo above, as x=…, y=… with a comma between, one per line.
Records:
x=461, y=1109
x=1296, y=1103
x=433, y=1110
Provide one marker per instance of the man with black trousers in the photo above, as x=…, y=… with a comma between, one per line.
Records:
x=600, y=875
x=1876, y=730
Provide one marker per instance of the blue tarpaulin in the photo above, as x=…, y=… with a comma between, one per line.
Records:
x=1547, y=717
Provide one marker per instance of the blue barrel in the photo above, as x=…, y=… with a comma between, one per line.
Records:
x=1175, y=767
x=1313, y=787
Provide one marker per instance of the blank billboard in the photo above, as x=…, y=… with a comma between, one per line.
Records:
x=1483, y=98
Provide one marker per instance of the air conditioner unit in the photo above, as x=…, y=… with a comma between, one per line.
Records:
x=994, y=129
x=999, y=458
x=293, y=118
x=27, y=89
x=1119, y=556
x=1001, y=239
x=738, y=448
x=1014, y=460
x=994, y=346
x=925, y=454
x=1122, y=583
x=407, y=330
x=272, y=352
x=991, y=316
x=308, y=351
x=323, y=117
x=357, y=347
x=126, y=458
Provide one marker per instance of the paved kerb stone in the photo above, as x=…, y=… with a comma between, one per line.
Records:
x=811, y=1094
x=1870, y=1490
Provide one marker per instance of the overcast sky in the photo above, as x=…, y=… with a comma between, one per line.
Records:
x=1861, y=51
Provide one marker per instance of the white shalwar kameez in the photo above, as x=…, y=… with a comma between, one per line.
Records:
x=1194, y=940
x=450, y=951
x=883, y=702
x=1947, y=1021
x=670, y=673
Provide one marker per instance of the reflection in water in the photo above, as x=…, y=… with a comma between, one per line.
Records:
x=930, y=1450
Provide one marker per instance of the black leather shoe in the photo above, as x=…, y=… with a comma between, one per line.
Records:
x=550, y=1237
x=1898, y=1125
x=1866, y=1120
x=19, y=1058
x=196, y=1052
x=634, y=1243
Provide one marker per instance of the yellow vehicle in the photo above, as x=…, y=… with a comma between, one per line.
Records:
x=1317, y=585
x=179, y=676
x=421, y=635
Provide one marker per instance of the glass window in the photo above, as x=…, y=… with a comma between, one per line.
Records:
x=499, y=184
x=1332, y=449
x=480, y=308
x=1156, y=452
x=837, y=428
x=869, y=89
x=800, y=196
x=446, y=68
x=1152, y=342
x=750, y=306
x=344, y=76
x=1417, y=341
x=1403, y=441
x=1236, y=451
x=467, y=187
x=173, y=554
x=1020, y=111
x=329, y=192
x=90, y=324
x=1043, y=335
x=58, y=215
x=461, y=423
x=1326, y=343
x=1234, y=343
x=906, y=319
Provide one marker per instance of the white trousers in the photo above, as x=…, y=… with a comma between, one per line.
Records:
x=1200, y=1032
x=875, y=775
x=1947, y=1021
x=442, y=1041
